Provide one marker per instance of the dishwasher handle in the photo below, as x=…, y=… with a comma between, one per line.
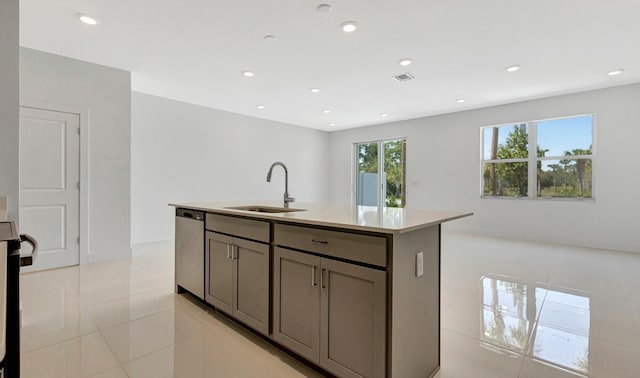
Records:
x=27, y=260
x=191, y=214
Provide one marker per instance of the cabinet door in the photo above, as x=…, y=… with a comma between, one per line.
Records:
x=353, y=320
x=251, y=284
x=296, y=302
x=219, y=288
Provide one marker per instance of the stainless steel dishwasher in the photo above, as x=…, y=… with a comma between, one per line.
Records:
x=189, y=263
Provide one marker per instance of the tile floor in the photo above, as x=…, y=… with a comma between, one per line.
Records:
x=509, y=309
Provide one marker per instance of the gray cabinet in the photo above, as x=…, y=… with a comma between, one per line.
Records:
x=296, y=302
x=237, y=279
x=365, y=249
x=331, y=312
x=352, y=320
x=219, y=271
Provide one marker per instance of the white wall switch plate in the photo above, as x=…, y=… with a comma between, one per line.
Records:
x=419, y=264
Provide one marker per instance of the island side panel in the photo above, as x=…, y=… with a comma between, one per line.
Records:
x=415, y=304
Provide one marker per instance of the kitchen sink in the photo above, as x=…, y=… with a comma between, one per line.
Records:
x=264, y=209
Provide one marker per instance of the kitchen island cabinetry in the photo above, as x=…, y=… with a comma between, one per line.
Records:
x=355, y=291
x=333, y=313
x=237, y=273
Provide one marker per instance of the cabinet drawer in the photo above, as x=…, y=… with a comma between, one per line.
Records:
x=245, y=228
x=362, y=248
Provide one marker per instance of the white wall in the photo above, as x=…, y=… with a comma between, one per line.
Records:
x=187, y=153
x=106, y=93
x=9, y=95
x=443, y=171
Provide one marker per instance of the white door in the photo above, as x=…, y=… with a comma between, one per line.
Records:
x=49, y=185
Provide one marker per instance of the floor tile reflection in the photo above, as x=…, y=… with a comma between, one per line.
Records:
x=136, y=306
x=117, y=372
x=53, y=315
x=85, y=356
x=137, y=338
x=558, y=316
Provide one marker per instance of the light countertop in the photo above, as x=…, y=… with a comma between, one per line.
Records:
x=389, y=220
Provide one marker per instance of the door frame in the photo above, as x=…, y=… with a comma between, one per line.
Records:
x=83, y=114
x=355, y=170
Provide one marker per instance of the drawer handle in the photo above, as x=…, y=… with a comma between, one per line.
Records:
x=320, y=241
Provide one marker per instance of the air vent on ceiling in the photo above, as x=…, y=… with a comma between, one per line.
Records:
x=404, y=77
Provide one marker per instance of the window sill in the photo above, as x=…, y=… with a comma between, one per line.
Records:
x=561, y=199
x=508, y=198
x=565, y=199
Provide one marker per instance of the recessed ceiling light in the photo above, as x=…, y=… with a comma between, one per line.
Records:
x=248, y=73
x=314, y=90
x=326, y=111
x=615, y=72
x=332, y=124
x=460, y=100
x=260, y=106
x=323, y=8
x=89, y=20
x=270, y=38
x=405, y=62
x=384, y=115
x=513, y=68
x=349, y=26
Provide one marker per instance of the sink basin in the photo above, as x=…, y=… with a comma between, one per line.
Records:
x=264, y=209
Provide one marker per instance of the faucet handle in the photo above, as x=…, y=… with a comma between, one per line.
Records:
x=287, y=200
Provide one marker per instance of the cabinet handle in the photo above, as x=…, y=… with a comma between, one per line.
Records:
x=313, y=276
x=319, y=241
x=322, y=278
x=234, y=252
x=229, y=253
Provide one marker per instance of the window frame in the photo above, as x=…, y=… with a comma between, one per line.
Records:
x=532, y=160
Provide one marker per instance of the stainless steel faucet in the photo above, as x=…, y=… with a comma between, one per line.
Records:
x=287, y=199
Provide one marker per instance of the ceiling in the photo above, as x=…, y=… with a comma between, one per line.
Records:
x=196, y=51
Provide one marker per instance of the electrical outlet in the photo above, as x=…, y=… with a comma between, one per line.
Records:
x=419, y=264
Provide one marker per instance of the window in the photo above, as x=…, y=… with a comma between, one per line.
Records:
x=560, y=166
x=389, y=188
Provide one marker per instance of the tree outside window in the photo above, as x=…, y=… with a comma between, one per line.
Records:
x=561, y=166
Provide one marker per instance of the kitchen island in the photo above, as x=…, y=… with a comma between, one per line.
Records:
x=353, y=290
